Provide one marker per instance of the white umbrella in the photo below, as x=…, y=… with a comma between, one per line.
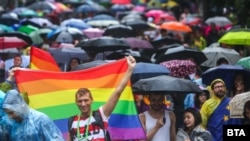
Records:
x=215, y=53
x=219, y=21
x=236, y=104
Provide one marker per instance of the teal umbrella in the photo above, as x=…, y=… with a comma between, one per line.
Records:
x=5, y=28
x=244, y=62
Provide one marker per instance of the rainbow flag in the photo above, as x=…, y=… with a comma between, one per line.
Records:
x=42, y=60
x=54, y=94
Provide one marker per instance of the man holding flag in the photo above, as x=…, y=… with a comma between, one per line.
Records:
x=83, y=126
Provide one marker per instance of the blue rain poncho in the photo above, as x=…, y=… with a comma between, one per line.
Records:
x=4, y=128
x=35, y=126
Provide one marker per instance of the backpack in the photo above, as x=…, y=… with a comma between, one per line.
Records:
x=99, y=122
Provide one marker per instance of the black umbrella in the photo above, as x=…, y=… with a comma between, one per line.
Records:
x=137, y=24
x=119, y=31
x=144, y=70
x=91, y=64
x=158, y=43
x=103, y=44
x=165, y=84
x=182, y=52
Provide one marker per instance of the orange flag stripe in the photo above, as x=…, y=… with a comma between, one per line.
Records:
x=70, y=84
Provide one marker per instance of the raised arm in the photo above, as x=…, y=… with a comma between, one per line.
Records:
x=109, y=106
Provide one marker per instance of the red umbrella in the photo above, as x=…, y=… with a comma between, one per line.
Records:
x=180, y=68
x=12, y=42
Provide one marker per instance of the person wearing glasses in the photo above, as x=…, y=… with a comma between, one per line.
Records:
x=215, y=111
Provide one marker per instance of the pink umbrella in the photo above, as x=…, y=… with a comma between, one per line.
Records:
x=93, y=32
x=180, y=68
x=138, y=43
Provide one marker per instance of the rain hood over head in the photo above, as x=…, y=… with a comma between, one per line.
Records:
x=35, y=126
x=13, y=101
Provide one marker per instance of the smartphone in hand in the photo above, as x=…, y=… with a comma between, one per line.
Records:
x=164, y=120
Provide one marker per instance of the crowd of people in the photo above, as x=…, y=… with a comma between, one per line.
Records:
x=189, y=117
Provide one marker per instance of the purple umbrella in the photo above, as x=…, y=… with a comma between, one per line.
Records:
x=138, y=43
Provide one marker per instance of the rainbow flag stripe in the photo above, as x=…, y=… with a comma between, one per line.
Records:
x=54, y=94
x=42, y=60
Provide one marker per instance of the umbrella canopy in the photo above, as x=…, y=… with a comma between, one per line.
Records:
x=86, y=8
x=137, y=24
x=42, y=6
x=119, y=31
x=175, y=26
x=137, y=43
x=183, y=53
x=90, y=64
x=102, y=20
x=146, y=70
x=236, y=104
x=219, y=21
x=66, y=35
x=213, y=54
x=225, y=72
x=165, y=84
x=236, y=37
x=103, y=44
x=244, y=62
x=64, y=54
x=93, y=32
x=76, y=23
x=180, y=68
x=14, y=40
x=157, y=43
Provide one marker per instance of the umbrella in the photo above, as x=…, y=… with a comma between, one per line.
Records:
x=64, y=54
x=236, y=37
x=42, y=6
x=226, y=73
x=103, y=44
x=66, y=34
x=90, y=64
x=119, y=31
x=9, y=21
x=165, y=84
x=137, y=43
x=236, y=104
x=8, y=53
x=244, y=62
x=14, y=40
x=137, y=24
x=86, y=8
x=180, y=68
x=175, y=26
x=144, y=70
x=93, y=32
x=213, y=54
x=102, y=20
x=76, y=23
x=157, y=43
x=219, y=21
x=183, y=53
x=119, y=54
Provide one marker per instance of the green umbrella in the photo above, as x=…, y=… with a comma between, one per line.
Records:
x=27, y=29
x=239, y=37
x=36, y=35
x=244, y=62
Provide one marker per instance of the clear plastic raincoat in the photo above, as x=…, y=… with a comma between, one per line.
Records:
x=35, y=126
x=4, y=128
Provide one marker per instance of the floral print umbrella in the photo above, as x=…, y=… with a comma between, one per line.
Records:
x=180, y=68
